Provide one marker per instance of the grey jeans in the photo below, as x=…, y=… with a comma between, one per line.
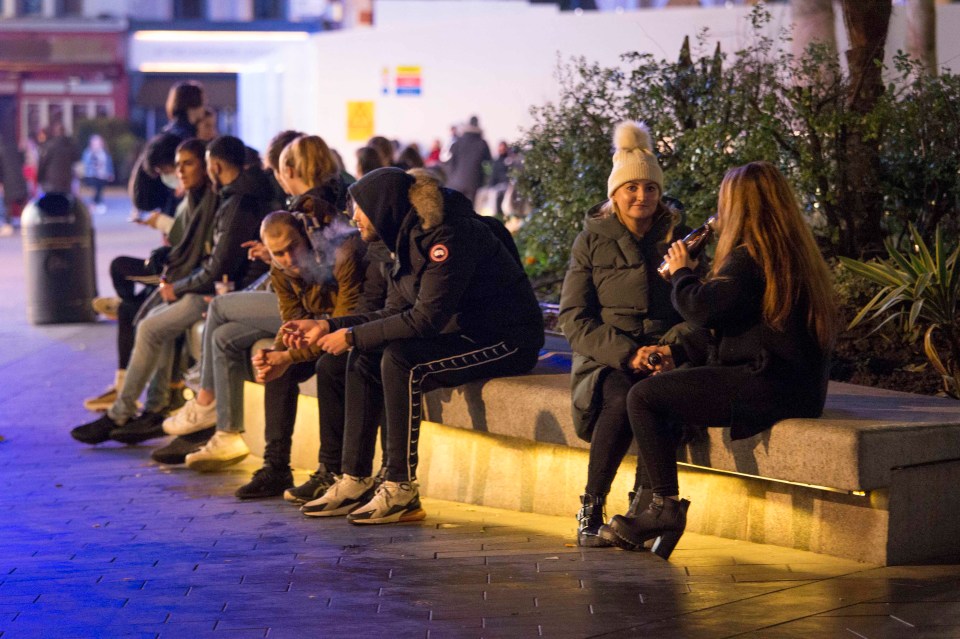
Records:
x=153, y=354
x=234, y=323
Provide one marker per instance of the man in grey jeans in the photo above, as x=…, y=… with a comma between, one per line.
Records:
x=237, y=221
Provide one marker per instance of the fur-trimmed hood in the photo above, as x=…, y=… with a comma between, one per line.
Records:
x=387, y=196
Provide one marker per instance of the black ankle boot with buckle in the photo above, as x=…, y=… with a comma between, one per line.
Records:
x=591, y=517
x=664, y=521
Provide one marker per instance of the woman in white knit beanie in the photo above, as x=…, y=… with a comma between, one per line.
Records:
x=613, y=303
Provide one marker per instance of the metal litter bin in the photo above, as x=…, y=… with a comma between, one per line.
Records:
x=59, y=256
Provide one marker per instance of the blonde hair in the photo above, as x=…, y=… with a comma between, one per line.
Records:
x=758, y=210
x=311, y=160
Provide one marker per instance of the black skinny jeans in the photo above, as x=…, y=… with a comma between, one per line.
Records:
x=612, y=435
x=659, y=405
x=280, y=406
x=130, y=302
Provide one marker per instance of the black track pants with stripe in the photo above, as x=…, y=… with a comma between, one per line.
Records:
x=411, y=367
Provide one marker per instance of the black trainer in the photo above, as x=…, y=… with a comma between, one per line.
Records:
x=139, y=429
x=176, y=451
x=95, y=432
x=318, y=484
x=266, y=482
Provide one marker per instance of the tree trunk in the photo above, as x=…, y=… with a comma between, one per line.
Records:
x=866, y=22
x=922, y=33
x=813, y=21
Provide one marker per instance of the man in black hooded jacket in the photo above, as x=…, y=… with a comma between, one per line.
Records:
x=459, y=308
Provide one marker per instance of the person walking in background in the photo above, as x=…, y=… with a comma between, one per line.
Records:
x=770, y=306
x=14, y=185
x=368, y=159
x=465, y=168
x=57, y=157
x=613, y=303
x=207, y=125
x=97, y=170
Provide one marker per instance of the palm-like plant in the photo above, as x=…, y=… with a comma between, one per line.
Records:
x=920, y=290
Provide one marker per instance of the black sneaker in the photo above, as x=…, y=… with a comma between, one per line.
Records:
x=318, y=484
x=266, y=482
x=95, y=432
x=176, y=451
x=139, y=429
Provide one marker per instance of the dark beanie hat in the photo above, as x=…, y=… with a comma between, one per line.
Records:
x=383, y=195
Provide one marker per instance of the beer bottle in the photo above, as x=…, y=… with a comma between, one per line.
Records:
x=695, y=242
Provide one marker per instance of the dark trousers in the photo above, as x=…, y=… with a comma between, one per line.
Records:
x=130, y=302
x=97, y=185
x=660, y=404
x=280, y=406
x=612, y=435
x=412, y=367
x=363, y=396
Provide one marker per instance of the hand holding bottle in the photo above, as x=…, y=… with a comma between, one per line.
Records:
x=692, y=245
x=655, y=359
x=677, y=257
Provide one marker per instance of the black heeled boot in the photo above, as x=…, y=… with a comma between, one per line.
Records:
x=639, y=500
x=664, y=521
x=591, y=518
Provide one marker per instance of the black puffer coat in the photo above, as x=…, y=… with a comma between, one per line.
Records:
x=451, y=273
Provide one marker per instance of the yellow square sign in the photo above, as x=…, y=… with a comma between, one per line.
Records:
x=360, y=120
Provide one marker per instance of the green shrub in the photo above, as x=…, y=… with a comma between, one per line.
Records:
x=919, y=294
x=709, y=114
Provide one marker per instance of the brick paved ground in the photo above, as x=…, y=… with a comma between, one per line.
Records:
x=101, y=542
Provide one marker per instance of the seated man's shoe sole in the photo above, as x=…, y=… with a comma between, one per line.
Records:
x=176, y=451
x=345, y=508
x=211, y=465
x=96, y=432
x=402, y=514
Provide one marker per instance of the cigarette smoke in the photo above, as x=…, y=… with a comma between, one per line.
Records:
x=325, y=240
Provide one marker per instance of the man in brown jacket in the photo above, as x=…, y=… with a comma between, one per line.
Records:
x=305, y=287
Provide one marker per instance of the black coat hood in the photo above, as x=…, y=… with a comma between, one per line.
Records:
x=384, y=197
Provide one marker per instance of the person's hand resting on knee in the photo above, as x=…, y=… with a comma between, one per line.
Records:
x=269, y=364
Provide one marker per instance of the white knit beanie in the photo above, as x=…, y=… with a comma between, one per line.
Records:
x=633, y=157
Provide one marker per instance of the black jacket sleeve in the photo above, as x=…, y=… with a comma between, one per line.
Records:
x=734, y=295
x=235, y=225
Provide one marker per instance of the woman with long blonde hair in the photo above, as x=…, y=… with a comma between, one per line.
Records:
x=771, y=311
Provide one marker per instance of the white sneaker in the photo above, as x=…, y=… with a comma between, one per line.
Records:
x=394, y=501
x=346, y=494
x=190, y=418
x=222, y=450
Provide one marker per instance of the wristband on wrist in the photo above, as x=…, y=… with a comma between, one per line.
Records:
x=349, y=337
